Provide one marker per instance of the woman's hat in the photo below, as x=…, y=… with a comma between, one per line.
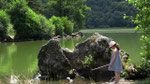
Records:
x=112, y=43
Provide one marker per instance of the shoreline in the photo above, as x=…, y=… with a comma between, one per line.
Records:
x=74, y=35
x=111, y=30
x=76, y=80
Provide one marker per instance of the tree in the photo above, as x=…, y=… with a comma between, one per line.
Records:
x=62, y=25
x=75, y=10
x=143, y=20
x=48, y=28
x=107, y=13
x=4, y=23
x=36, y=5
x=68, y=26
x=4, y=3
x=27, y=23
x=59, y=28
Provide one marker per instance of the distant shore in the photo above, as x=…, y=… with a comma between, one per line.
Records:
x=73, y=35
x=111, y=30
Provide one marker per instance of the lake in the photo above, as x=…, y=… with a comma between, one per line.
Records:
x=20, y=58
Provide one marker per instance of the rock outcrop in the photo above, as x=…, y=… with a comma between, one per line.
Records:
x=73, y=35
x=91, y=53
x=52, y=62
x=95, y=46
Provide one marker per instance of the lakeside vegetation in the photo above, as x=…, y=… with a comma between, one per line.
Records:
x=28, y=20
x=28, y=23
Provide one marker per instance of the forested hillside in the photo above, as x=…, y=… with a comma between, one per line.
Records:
x=104, y=13
x=109, y=13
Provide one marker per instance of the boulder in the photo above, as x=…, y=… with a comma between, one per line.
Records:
x=95, y=47
x=91, y=53
x=52, y=62
x=77, y=35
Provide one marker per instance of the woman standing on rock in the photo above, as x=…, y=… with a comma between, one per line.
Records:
x=115, y=63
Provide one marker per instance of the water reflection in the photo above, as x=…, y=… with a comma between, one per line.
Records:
x=70, y=43
x=19, y=58
x=6, y=51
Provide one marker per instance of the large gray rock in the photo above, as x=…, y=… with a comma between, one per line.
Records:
x=52, y=62
x=97, y=47
x=53, y=59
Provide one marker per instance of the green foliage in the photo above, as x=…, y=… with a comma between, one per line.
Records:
x=146, y=46
x=81, y=12
x=36, y=5
x=123, y=74
x=144, y=68
x=47, y=27
x=143, y=19
x=62, y=25
x=109, y=13
x=68, y=26
x=88, y=61
x=75, y=10
x=4, y=23
x=11, y=31
x=2, y=4
x=27, y=23
x=59, y=28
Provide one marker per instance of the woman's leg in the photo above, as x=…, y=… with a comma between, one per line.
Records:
x=117, y=77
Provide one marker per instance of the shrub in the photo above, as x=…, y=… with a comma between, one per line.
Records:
x=27, y=23
x=144, y=68
x=62, y=25
x=88, y=60
x=11, y=32
x=4, y=23
x=59, y=28
x=68, y=26
x=46, y=26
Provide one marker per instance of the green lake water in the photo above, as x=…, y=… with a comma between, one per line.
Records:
x=21, y=57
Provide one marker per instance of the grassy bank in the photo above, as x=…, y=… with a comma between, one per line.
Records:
x=110, y=30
